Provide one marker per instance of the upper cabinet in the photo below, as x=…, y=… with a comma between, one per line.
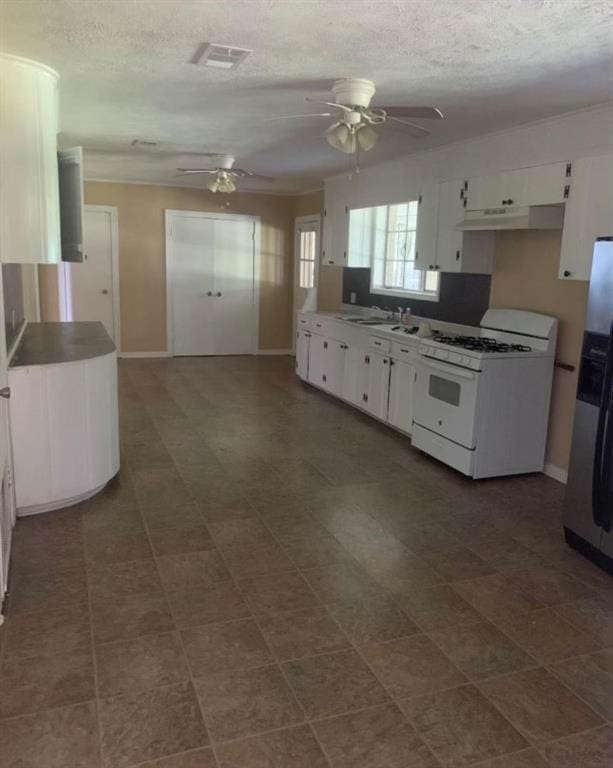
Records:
x=29, y=197
x=425, y=237
x=539, y=185
x=588, y=215
x=336, y=224
x=456, y=251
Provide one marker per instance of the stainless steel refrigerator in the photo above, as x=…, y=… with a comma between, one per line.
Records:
x=588, y=515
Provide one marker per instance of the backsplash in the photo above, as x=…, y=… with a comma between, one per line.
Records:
x=463, y=298
x=13, y=301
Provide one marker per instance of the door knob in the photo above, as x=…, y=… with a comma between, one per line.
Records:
x=104, y=291
x=5, y=392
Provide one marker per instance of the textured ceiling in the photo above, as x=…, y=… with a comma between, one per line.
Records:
x=126, y=74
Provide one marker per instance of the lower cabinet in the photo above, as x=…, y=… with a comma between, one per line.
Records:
x=376, y=383
x=326, y=363
x=303, y=339
x=402, y=384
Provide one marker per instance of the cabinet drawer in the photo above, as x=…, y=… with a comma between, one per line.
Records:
x=382, y=345
x=452, y=454
x=403, y=351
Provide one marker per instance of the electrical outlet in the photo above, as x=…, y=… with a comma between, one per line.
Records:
x=353, y=297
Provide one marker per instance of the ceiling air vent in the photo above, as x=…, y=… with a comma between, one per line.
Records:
x=219, y=56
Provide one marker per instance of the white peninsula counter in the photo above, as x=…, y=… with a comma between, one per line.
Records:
x=64, y=414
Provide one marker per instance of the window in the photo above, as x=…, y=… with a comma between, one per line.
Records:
x=307, y=255
x=383, y=238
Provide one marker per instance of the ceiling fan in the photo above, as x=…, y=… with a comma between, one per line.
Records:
x=354, y=130
x=224, y=174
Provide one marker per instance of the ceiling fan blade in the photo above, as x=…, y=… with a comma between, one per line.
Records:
x=291, y=117
x=188, y=171
x=344, y=107
x=240, y=173
x=421, y=113
x=417, y=130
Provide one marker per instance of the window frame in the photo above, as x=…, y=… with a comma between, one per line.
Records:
x=403, y=292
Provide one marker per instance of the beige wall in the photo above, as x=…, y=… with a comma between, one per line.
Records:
x=526, y=277
x=142, y=257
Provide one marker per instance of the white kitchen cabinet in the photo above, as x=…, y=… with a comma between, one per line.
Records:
x=29, y=194
x=402, y=382
x=456, y=251
x=536, y=185
x=427, y=224
x=334, y=366
x=377, y=387
x=65, y=429
x=326, y=363
x=302, y=353
x=588, y=215
x=355, y=375
x=316, y=360
x=335, y=224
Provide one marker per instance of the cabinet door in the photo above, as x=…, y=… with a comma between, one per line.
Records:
x=484, y=191
x=588, y=215
x=402, y=380
x=316, y=360
x=334, y=366
x=377, y=391
x=538, y=185
x=302, y=354
x=427, y=215
x=336, y=227
x=355, y=380
x=450, y=213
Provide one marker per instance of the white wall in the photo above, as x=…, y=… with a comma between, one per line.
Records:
x=580, y=134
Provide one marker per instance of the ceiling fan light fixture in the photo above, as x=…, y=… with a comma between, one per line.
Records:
x=342, y=137
x=213, y=184
x=226, y=185
x=366, y=137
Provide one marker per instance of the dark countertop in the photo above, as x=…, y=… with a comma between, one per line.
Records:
x=49, y=343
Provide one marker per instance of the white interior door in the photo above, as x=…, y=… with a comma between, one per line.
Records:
x=211, y=272
x=93, y=283
x=234, y=283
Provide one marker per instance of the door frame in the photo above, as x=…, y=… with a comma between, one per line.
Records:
x=169, y=215
x=313, y=218
x=65, y=277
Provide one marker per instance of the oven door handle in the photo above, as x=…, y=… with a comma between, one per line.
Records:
x=451, y=370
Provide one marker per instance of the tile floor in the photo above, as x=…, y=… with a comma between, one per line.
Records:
x=276, y=581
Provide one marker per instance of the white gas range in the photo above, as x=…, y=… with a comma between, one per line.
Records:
x=482, y=399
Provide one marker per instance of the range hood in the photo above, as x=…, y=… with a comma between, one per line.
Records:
x=515, y=217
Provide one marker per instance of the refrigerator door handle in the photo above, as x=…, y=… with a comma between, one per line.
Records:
x=601, y=481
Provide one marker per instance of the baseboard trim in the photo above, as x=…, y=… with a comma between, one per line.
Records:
x=144, y=354
x=557, y=473
x=284, y=352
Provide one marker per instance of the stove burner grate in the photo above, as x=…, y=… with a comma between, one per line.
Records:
x=481, y=344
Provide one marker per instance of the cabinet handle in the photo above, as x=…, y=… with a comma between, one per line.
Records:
x=344, y=346
x=330, y=261
x=367, y=359
x=218, y=294
x=392, y=363
x=406, y=351
x=385, y=361
x=209, y=293
x=5, y=392
x=323, y=377
x=377, y=343
x=510, y=202
x=566, y=273
x=430, y=266
x=365, y=397
x=457, y=255
x=325, y=345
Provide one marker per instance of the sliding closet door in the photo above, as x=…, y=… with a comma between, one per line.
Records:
x=212, y=284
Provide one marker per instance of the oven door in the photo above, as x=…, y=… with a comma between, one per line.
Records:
x=445, y=400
